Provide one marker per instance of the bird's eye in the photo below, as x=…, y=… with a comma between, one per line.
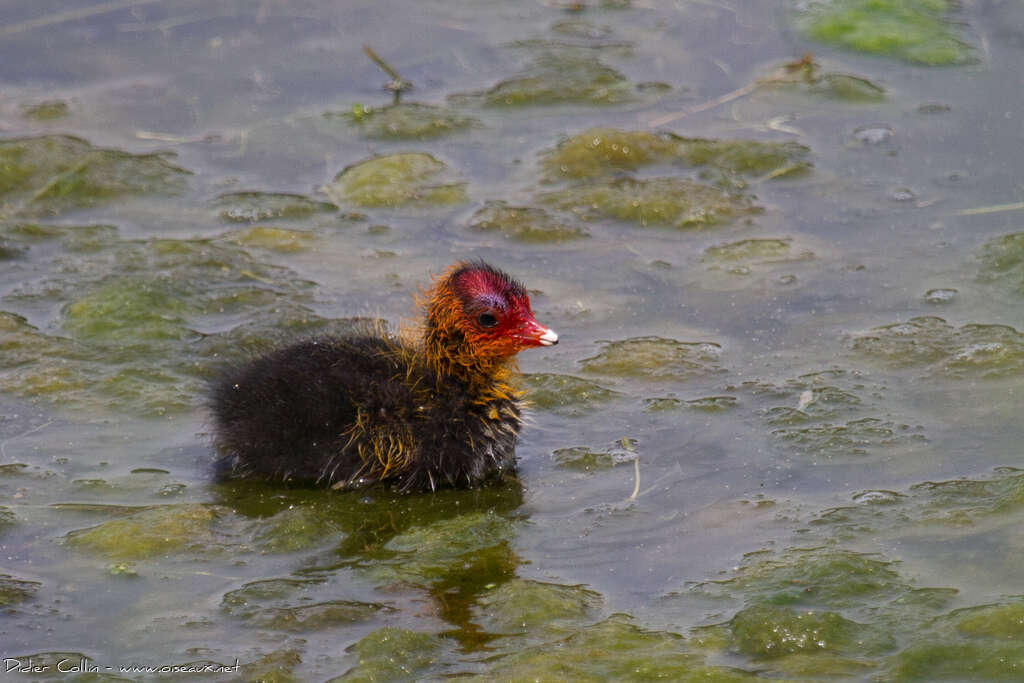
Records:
x=486, y=320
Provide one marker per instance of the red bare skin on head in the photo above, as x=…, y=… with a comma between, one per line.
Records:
x=490, y=309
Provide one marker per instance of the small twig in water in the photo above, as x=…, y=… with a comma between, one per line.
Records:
x=397, y=84
x=995, y=208
x=636, y=478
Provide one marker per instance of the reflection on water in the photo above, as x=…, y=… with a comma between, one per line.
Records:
x=782, y=247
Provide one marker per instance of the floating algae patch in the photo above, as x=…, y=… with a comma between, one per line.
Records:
x=524, y=224
x=32, y=363
x=1002, y=261
x=673, y=202
x=557, y=77
x=149, y=533
x=656, y=358
x=259, y=207
x=9, y=252
x=14, y=590
x=602, y=151
x=564, y=394
x=583, y=458
x=832, y=413
x=280, y=240
x=286, y=605
x=407, y=121
x=599, y=151
x=296, y=528
x=612, y=650
x=982, y=643
x=768, y=631
x=1005, y=622
x=134, y=337
x=49, y=110
x=395, y=180
x=855, y=437
x=56, y=173
x=954, y=504
x=126, y=311
x=431, y=552
x=919, y=31
x=711, y=404
x=756, y=251
x=522, y=606
x=930, y=342
x=814, y=577
x=391, y=654
x=586, y=459
x=937, y=660
x=72, y=238
x=754, y=255
x=806, y=75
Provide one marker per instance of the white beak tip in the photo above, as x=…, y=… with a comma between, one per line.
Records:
x=549, y=338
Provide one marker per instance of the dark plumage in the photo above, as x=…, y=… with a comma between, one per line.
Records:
x=351, y=411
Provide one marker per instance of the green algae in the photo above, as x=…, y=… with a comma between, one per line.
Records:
x=975, y=643
x=662, y=404
x=599, y=151
x=557, y=77
x=565, y=395
x=14, y=590
x=830, y=414
x=772, y=631
x=7, y=518
x=762, y=250
x=408, y=121
x=655, y=358
x=930, y=342
x=586, y=459
x=712, y=404
x=149, y=533
x=955, y=505
x=57, y=173
x=522, y=606
x=602, y=151
x=134, y=339
x=259, y=207
x=72, y=238
x=280, y=240
x=854, y=437
x=1002, y=261
x=612, y=650
x=526, y=224
x=285, y=605
x=1005, y=622
x=33, y=363
x=847, y=87
x=393, y=654
x=953, y=661
x=431, y=551
x=816, y=577
x=127, y=311
x=48, y=110
x=806, y=75
x=673, y=202
x=9, y=252
x=295, y=529
x=918, y=31
x=395, y=180
x=274, y=667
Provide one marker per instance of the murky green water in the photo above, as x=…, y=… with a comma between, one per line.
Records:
x=789, y=290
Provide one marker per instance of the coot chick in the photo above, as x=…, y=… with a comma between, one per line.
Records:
x=417, y=414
